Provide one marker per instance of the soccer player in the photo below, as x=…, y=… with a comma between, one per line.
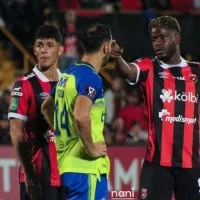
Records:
x=79, y=120
x=171, y=87
x=32, y=137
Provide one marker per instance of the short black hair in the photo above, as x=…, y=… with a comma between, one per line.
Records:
x=48, y=32
x=93, y=37
x=165, y=22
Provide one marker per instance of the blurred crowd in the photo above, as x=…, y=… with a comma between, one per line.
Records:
x=126, y=115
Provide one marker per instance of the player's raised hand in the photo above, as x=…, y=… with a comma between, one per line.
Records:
x=33, y=188
x=99, y=150
x=116, y=50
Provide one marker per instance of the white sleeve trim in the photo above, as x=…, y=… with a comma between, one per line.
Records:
x=137, y=77
x=16, y=115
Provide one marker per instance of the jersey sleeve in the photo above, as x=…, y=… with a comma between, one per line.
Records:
x=90, y=87
x=20, y=100
x=142, y=66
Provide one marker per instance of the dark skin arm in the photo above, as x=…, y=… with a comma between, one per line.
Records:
x=125, y=70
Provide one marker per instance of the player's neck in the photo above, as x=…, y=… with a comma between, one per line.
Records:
x=51, y=73
x=94, y=60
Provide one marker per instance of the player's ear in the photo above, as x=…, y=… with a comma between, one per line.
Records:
x=61, y=49
x=34, y=49
x=106, y=48
x=178, y=38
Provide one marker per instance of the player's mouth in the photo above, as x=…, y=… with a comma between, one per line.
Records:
x=44, y=59
x=160, y=52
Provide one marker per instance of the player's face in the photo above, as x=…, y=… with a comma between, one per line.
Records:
x=165, y=42
x=107, y=50
x=47, y=52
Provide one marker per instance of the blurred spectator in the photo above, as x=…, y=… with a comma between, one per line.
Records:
x=156, y=4
x=136, y=135
x=71, y=42
x=114, y=100
x=108, y=134
x=4, y=123
x=131, y=5
x=68, y=4
x=196, y=4
x=133, y=111
x=183, y=5
x=91, y=4
x=120, y=135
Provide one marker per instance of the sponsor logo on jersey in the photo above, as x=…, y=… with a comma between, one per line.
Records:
x=14, y=103
x=17, y=92
x=90, y=91
x=167, y=96
x=164, y=115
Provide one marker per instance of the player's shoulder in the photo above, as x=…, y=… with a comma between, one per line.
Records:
x=193, y=64
x=26, y=77
x=23, y=81
x=144, y=63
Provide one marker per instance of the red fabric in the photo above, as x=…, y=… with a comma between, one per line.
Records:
x=37, y=132
x=181, y=5
x=132, y=113
x=68, y=4
x=131, y=5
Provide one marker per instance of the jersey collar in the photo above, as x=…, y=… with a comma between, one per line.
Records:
x=41, y=76
x=183, y=63
x=84, y=63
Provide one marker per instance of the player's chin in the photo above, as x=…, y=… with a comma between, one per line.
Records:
x=45, y=66
x=161, y=56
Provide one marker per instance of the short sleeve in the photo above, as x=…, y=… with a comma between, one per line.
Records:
x=20, y=100
x=91, y=87
x=142, y=65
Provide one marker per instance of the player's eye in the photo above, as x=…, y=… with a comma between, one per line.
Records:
x=39, y=45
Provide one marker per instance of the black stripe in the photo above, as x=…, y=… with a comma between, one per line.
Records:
x=179, y=109
x=195, y=148
x=158, y=85
x=42, y=127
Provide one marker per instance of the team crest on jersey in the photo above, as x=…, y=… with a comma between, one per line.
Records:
x=90, y=91
x=143, y=193
x=193, y=78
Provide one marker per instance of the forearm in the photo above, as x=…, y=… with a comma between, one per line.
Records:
x=124, y=69
x=23, y=151
x=47, y=109
x=49, y=116
x=84, y=130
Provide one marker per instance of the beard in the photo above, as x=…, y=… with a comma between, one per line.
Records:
x=105, y=60
x=171, y=51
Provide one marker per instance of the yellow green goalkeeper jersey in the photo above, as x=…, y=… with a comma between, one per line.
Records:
x=78, y=79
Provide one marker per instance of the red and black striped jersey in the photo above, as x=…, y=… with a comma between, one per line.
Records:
x=171, y=93
x=27, y=96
